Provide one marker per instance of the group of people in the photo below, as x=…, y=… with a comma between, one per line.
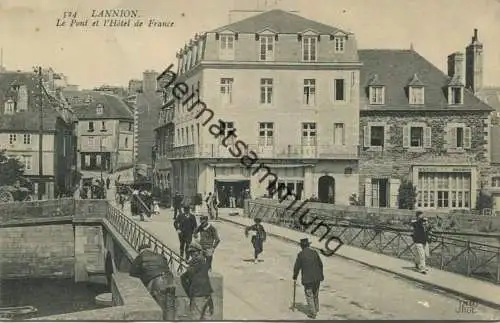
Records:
x=142, y=204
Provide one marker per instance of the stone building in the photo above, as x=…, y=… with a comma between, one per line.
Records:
x=20, y=102
x=105, y=133
x=289, y=88
x=420, y=124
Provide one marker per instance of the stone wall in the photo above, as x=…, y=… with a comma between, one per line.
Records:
x=89, y=250
x=394, y=218
x=394, y=161
x=37, y=251
x=20, y=211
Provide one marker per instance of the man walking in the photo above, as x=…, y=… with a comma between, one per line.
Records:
x=309, y=263
x=196, y=283
x=421, y=238
x=177, y=204
x=258, y=238
x=209, y=239
x=209, y=202
x=232, y=198
x=186, y=225
x=154, y=272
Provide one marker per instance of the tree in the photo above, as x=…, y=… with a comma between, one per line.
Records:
x=407, y=195
x=484, y=201
x=11, y=170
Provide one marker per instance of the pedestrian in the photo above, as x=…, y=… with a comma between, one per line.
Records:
x=421, y=238
x=209, y=203
x=215, y=205
x=196, y=284
x=232, y=198
x=156, y=207
x=186, y=225
x=108, y=182
x=309, y=263
x=177, y=203
x=209, y=238
x=134, y=203
x=154, y=272
x=258, y=237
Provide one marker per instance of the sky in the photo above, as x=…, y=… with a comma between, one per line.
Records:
x=93, y=56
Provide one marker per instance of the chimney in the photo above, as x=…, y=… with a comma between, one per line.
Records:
x=456, y=66
x=474, y=38
x=474, y=64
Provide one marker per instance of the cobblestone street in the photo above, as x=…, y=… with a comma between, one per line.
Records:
x=350, y=291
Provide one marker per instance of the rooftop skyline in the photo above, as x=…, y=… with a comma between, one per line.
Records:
x=91, y=57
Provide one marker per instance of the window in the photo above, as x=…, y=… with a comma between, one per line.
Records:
x=309, y=134
x=266, y=91
x=226, y=90
x=339, y=44
x=339, y=90
x=377, y=94
x=459, y=137
x=266, y=48
x=266, y=134
x=227, y=47
x=182, y=136
x=9, y=107
x=178, y=138
x=187, y=136
x=27, y=139
x=338, y=134
x=309, y=48
x=130, y=125
x=12, y=138
x=416, y=95
x=455, y=95
x=228, y=128
x=309, y=91
x=443, y=190
x=282, y=187
x=99, y=109
x=103, y=126
x=416, y=136
x=192, y=134
x=377, y=137
x=27, y=161
x=91, y=126
x=91, y=141
x=126, y=142
x=495, y=182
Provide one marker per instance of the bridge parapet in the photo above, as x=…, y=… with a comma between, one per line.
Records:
x=462, y=256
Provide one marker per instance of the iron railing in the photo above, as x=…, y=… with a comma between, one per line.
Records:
x=135, y=236
x=469, y=258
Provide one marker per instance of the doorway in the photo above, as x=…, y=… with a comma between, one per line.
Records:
x=326, y=189
x=227, y=188
x=380, y=192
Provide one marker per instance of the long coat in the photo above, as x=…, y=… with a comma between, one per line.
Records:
x=309, y=263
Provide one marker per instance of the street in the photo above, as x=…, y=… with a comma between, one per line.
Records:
x=263, y=291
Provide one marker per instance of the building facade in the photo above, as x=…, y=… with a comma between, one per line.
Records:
x=105, y=133
x=21, y=99
x=288, y=87
x=421, y=125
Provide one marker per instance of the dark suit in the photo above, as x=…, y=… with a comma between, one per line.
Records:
x=310, y=265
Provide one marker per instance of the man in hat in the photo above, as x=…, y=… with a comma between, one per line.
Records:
x=185, y=224
x=421, y=237
x=209, y=238
x=258, y=237
x=196, y=283
x=154, y=272
x=309, y=263
x=177, y=203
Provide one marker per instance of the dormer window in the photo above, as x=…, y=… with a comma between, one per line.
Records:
x=9, y=107
x=226, y=49
x=339, y=44
x=266, y=52
x=99, y=109
x=416, y=91
x=309, y=48
x=377, y=95
x=455, y=95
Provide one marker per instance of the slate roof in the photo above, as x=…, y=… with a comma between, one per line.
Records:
x=279, y=21
x=394, y=69
x=113, y=106
x=25, y=120
x=148, y=107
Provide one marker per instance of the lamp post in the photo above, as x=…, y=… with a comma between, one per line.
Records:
x=38, y=73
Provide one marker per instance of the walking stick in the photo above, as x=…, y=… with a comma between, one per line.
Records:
x=294, y=292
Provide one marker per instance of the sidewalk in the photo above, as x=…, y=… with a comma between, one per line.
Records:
x=469, y=288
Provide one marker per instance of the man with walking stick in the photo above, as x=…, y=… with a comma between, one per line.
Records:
x=309, y=263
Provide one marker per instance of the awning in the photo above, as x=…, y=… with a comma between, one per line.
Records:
x=256, y=165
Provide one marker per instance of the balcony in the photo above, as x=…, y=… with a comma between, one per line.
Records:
x=271, y=152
